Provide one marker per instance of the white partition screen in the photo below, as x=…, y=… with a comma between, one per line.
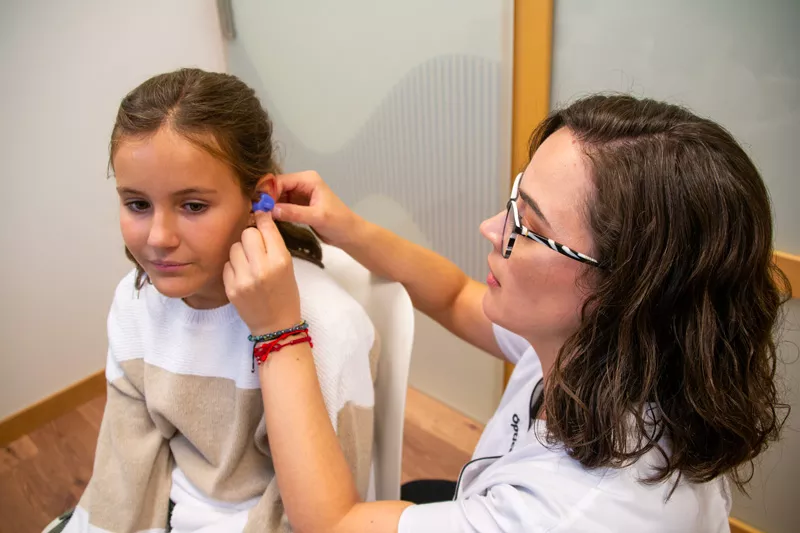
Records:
x=405, y=109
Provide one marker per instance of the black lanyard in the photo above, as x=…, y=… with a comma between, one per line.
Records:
x=537, y=399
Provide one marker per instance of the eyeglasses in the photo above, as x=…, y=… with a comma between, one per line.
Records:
x=512, y=228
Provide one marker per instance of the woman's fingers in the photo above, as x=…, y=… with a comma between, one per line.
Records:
x=321, y=209
x=299, y=187
x=297, y=214
x=299, y=182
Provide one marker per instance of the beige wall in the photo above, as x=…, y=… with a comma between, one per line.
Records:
x=735, y=61
x=66, y=66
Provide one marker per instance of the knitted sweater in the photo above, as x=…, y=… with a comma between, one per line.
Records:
x=184, y=419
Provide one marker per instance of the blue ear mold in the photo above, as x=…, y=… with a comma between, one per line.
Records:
x=265, y=203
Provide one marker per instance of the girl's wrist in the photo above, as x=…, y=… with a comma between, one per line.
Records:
x=289, y=355
x=276, y=324
x=267, y=345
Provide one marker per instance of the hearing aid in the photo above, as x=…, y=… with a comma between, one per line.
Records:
x=265, y=203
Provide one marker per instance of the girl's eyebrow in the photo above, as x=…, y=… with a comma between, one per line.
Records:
x=194, y=190
x=182, y=192
x=128, y=190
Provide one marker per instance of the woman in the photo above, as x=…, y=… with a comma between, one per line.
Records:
x=650, y=330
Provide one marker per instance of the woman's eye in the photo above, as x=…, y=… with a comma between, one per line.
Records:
x=523, y=213
x=137, y=206
x=195, y=207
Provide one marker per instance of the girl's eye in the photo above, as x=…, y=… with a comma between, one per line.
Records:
x=195, y=207
x=137, y=206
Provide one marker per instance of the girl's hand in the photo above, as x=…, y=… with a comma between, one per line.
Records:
x=259, y=279
x=306, y=199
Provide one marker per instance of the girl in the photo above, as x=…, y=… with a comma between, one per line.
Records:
x=645, y=361
x=183, y=433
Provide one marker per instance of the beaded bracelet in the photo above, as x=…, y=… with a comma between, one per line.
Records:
x=272, y=336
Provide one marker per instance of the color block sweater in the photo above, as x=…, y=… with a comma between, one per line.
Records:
x=184, y=419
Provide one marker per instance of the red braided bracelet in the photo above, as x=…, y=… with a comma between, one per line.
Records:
x=262, y=350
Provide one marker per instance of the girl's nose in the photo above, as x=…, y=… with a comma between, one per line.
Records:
x=162, y=232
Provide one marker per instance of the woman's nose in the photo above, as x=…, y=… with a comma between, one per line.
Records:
x=492, y=229
x=162, y=232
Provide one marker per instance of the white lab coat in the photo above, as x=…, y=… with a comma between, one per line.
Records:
x=516, y=483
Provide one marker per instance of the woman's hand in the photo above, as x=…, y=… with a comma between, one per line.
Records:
x=259, y=279
x=306, y=199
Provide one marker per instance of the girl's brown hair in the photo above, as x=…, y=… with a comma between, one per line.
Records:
x=677, y=335
x=220, y=114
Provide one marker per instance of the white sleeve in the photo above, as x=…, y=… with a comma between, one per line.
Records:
x=503, y=509
x=511, y=344
x=522, y=496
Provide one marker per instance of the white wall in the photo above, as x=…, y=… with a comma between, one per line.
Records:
x=738, y=62
x=66, y=66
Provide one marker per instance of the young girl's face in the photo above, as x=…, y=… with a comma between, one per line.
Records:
x=181, y=210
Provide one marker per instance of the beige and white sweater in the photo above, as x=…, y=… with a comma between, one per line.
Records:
x=184, y=419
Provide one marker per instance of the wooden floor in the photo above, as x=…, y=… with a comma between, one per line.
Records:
x=44, y=473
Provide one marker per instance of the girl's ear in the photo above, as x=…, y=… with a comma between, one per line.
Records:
x=269, y=185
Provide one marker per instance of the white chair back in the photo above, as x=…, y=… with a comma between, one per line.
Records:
x=389, y=307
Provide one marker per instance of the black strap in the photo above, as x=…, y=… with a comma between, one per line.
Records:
x=537, y=399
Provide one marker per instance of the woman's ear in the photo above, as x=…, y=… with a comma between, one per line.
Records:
x=269, y=185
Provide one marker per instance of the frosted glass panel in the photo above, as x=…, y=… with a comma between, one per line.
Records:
x=404, y=108
x=738, y=62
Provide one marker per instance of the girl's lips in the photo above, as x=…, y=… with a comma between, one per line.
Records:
x=168, y=266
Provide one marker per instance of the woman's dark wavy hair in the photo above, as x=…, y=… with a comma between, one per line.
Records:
x=223, y=116
x=679, y=325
